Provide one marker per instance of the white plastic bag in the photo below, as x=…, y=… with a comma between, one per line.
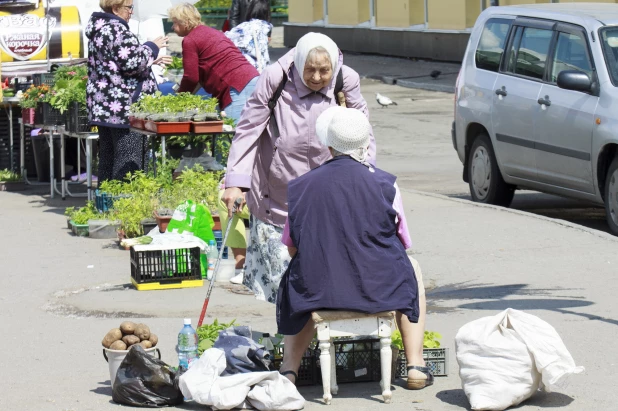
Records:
x=504, y=359
x=266, y=390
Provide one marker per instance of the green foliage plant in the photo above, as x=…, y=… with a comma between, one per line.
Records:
x=8, y=176
x=207, y=334
x=69, y=87
x=84, y=214
x=430, y=340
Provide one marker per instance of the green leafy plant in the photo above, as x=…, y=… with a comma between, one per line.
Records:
x=69, y=87
x=430, y=340
x=7, y=175
x=207, y=334
x=176, y=63
x=82, y=215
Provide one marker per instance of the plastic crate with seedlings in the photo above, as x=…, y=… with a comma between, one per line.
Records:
x=308, y=372
x=159, y=267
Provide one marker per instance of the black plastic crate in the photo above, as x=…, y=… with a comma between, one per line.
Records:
x=308, y=373
x=77, y=119
x=161, y=268
x=435, y=358
x=46, y=115
x=43, y=78
x=357, y=360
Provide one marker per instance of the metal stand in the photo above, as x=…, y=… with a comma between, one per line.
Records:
x=8, y=103
x=88, y=138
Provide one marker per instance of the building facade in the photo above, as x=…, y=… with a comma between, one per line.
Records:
x=428, y=29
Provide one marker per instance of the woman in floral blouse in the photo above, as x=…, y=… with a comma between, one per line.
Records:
x=252, y=37
x=118, y=73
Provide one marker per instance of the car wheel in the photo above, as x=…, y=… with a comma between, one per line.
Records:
x=485, y=180
x=611, y=196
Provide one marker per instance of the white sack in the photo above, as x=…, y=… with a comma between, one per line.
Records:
x=263, y=390
x=506, y=358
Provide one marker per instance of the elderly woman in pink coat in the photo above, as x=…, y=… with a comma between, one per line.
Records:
x=276, y=142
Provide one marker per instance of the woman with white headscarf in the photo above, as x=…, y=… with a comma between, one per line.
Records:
x=276, y=142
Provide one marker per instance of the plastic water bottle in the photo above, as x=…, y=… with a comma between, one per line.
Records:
x=187, y=345
x=213, y=254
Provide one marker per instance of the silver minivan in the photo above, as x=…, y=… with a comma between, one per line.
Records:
x=536, y=104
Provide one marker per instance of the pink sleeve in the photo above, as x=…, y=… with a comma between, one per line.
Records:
x=402, y=225
x=253, y=120
x=285, y=236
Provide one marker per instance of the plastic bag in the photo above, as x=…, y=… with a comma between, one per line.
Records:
x=242, y=354
x=504, y=359
x=145, y=381
x=195, y=219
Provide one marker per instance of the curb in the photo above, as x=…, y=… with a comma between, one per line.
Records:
x=591, y=231
x=398, y=81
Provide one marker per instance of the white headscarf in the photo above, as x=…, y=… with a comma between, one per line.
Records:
x=346, y=130
x=307, y=43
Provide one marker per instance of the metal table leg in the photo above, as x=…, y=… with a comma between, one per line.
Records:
x=52, y=179
x=89, y=167
x=22, y=149
x=11, y=136
x=62, y=166
x=163, y=150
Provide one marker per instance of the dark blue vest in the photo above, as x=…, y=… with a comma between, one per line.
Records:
x=342, y=221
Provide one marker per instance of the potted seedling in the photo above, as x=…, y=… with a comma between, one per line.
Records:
x=10, y=181
x=207, y=120
x=164, y=206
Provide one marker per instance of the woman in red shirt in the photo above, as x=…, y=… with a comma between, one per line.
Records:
x=212, y=61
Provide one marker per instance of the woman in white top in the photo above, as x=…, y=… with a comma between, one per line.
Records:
x=252, y=37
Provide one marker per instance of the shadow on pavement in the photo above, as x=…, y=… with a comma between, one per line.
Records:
x=540, y=399
x=574, y=211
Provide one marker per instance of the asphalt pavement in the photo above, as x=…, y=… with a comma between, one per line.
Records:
x=60, y=294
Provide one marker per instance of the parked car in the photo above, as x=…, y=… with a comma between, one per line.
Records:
x=536, y=104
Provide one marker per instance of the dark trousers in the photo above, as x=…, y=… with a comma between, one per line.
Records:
x=120, y=152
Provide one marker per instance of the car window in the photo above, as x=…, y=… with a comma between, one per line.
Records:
x=609, y=37
x=532, y=52
x=491, y=45
x=571, y=54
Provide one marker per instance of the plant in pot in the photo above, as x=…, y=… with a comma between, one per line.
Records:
x=164, y=205
x=10, y=181
x=69, y=94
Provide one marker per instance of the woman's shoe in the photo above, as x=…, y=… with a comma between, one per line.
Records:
x=238, y=278
x=419, y=384
x=290, y=372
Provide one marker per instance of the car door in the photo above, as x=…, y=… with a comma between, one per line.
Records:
x=515, y=97
x=565, y=118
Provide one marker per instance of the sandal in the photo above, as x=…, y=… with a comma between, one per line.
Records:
x=290, y=372
x=419, y=384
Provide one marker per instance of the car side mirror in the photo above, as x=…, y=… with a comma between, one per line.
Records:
x=574, y=80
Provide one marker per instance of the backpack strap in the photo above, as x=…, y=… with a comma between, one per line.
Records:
x=339, y=94
x=272, y=103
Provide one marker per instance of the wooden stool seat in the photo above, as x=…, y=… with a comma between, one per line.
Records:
x=331, y=324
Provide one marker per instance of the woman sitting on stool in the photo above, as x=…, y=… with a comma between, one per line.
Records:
x=347, y=234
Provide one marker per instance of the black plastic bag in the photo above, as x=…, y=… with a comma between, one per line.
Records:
x=144, y=381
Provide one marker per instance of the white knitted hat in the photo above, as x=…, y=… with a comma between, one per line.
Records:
x=344, y=129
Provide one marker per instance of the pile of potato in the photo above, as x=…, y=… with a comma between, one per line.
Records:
x=129, y=334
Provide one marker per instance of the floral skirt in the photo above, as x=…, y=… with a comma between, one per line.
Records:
x=267, y=260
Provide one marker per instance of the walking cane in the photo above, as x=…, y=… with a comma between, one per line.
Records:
x=214, y=274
